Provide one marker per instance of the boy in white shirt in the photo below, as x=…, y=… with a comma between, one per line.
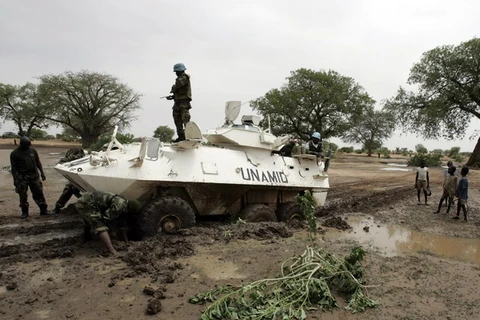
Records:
x=422, y=181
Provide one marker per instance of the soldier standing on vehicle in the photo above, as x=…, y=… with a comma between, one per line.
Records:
x=314, y=146
x=69, y=190
x=25, y=165
x=100, y=210
x=182, y=95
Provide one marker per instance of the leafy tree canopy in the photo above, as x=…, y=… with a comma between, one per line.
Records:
x=420, y=148
x=370, y=129
x=23, y=106
x=447, y=94
x=323, y=101
x=90, y=103
x=164, y=133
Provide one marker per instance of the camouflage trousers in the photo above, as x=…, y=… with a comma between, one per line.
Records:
x=93, y=219
x=181, y=115
x=36, y=187
x=67, y=193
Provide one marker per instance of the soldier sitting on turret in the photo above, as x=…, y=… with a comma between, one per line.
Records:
x=314, y=146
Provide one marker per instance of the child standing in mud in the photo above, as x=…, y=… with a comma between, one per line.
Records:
x=449, y=189
x=462, y=194
x=422, y=181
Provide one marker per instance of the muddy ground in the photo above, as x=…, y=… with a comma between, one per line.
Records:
x=424, y=266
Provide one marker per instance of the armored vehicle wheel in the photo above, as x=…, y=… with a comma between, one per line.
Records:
x=165, y=214
x=257, y=213
x=289, y=211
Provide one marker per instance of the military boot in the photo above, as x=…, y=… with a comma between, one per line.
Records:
x=24, y=213
x=181, y=137
x=43, y=210
x=57, y=210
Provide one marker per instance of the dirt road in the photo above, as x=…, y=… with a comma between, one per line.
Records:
x=424, y=266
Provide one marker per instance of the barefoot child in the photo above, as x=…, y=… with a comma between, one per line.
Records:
x=462, y=194
x=449, y=189
x=422, y=181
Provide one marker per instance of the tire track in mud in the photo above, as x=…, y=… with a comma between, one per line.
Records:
x=364, y=200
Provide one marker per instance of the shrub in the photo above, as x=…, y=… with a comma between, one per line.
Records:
x=453, y=151
x=458, y=158
x=431, y=160
x=359, y=151
x=384, y=152
x=329, y=146
x=438, y=151
x=346, y=149
x=122, y=138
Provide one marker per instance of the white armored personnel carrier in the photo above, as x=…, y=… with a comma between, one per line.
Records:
x=228, y=170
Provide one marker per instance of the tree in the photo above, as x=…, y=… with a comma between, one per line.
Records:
x=329, y=146
x=448, y=94
x=9, y=135
x=164, y=133
x=384, y=151
x=90, y=103
x=420, y=148
x=23, y=106
x=371, y=146
x=323, y=101
x=453, y=152
x=370, y=129
x=37, y=134
x=103, y=141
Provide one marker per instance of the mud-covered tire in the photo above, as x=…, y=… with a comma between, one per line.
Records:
x=290, y=211
x=165, y=214
x=257, y=213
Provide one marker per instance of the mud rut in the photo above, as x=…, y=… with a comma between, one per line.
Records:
x=61, y=236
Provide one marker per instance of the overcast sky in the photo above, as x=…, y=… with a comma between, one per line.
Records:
x=233, y=50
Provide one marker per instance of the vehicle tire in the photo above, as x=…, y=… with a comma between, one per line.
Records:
x=289, y=211
x=165, y=214
x=257, y=213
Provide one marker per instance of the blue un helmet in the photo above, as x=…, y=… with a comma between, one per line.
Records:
x=179, y=67
x=316, y=135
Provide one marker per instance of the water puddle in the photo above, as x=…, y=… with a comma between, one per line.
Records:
x=397, y=164
x=393, y=240
x=396, y=169
x=214, y=267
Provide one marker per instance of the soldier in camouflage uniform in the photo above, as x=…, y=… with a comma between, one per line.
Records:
x=69, y=190
x=182, y=95
x=100, y=209
x=25, y=165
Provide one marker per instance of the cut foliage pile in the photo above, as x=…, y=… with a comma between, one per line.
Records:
x=305, y=283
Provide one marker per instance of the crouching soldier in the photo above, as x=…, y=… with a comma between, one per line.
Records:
x=100, y=210
x=69, y=190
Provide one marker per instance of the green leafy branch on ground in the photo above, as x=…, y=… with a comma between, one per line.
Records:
x=304, y=284
x=308, y=205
